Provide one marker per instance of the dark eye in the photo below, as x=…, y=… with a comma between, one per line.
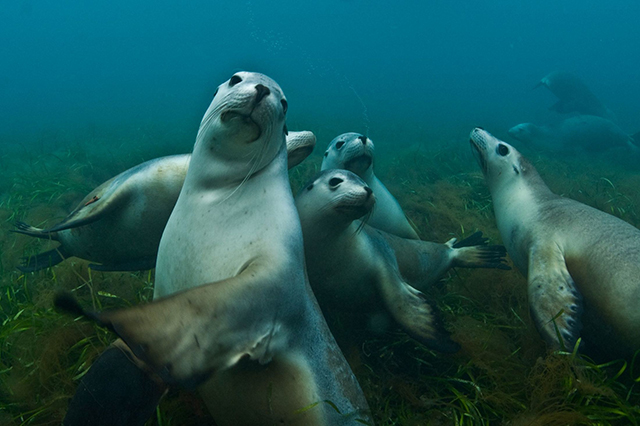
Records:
x=339, y=144
x=333, y=182
x=310, y=187
x=502, y=149
x=234, y=80
x=285, y=106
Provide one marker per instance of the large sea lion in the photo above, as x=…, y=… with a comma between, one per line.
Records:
x=587, y=132
x=355, y=267
x=119, y=224
x=573, y=95
x=234, y=314
x=582, y=265
x=354, y=152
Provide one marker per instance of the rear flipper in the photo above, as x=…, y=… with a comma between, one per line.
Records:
x=473, y=252
x=138, y=265
x=32, y=231
x=116, y=391
x=44, y=260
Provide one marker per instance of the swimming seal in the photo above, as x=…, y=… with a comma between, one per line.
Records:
x=573, y=95
x=355, y=267
x=582, y=265
x=233, y=313
x=354, y=152
x=120, y=223
x=588, y=132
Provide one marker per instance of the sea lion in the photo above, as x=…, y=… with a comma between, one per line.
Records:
x=588, y=132
x=358, y=268
x=573, y=95
x=354, y=152
x=119, y=224
x=233, y=312
x=576, y=258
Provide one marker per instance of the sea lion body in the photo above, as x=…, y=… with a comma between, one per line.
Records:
x=576, y=258
x=358, y=268
x=574, y=95
x=120, y=223
x=588, y=132
x=233, y=314
x=354, y=152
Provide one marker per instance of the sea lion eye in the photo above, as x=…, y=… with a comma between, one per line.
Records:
x=502, y=149
x=310, y=187
x=333, y=182
x=285, y=106
x=339, y=144
x=234, y=80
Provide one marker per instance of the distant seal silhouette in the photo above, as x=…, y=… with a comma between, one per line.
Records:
x=355, y=267
x=119, y=224
x=588, y=132
x=234, y=314
x=575, y=257
x=573, y=95
x=354, y=152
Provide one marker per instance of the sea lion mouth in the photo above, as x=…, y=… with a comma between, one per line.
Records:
x=478, y=154
x=359, y=164
x=242, y=118
x=354, y=211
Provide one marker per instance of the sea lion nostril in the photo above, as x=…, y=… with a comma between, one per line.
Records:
x=263, y=92
x=363, y=139
x=368, y=190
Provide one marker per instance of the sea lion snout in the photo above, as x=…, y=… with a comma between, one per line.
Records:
x=262, y=92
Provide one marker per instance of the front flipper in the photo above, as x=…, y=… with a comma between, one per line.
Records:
x=417, y=317
x=554, y=300
x=99, y=202
x=188, y=336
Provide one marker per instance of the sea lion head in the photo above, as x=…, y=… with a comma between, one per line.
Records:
x=244, y=126
x=498, y=160
x=336, y=196
x=525, y=132
x=350, y=151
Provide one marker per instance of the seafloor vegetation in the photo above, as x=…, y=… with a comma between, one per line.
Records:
x=503, y=374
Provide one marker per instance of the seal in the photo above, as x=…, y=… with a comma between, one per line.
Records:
x=582, y=265
x=574, y=95
x=588, y=132
x=354, y=152
x=120, y=223
x=355, y=267
x=234, y=314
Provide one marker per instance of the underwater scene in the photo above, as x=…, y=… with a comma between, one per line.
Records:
x=339, y=212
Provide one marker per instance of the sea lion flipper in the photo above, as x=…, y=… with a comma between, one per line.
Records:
x=417, y=317
x=143, y=264
x=188, y=336
x=556, y=304
x=96, y=204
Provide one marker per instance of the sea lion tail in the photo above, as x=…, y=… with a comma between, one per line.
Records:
x=473, y=252
x=43, y=260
